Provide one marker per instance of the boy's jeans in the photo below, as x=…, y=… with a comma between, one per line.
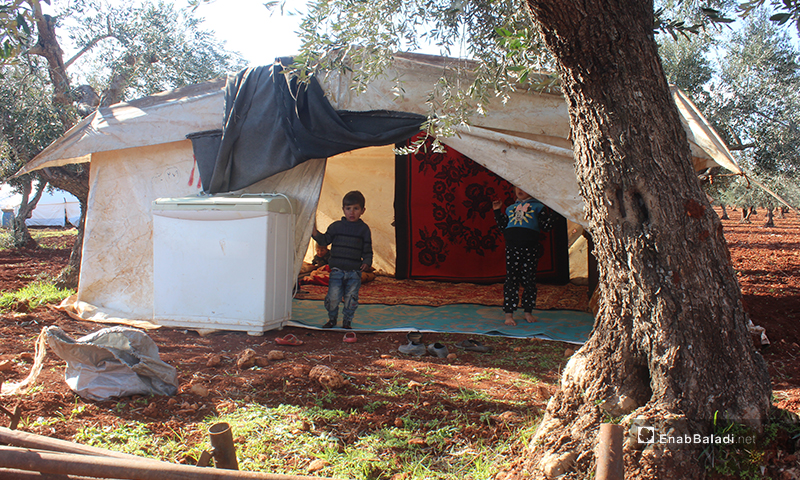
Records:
x=343, y=285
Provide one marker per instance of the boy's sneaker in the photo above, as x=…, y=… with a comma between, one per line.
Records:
x=346, y=324
x=331, y=323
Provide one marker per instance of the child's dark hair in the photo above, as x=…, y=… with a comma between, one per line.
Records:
x=354, y=198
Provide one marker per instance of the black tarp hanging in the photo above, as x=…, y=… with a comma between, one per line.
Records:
x=272, y=125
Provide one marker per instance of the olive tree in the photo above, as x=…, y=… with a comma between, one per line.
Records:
x=670, y=348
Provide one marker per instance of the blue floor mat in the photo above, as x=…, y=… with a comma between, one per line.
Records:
x=562, y=325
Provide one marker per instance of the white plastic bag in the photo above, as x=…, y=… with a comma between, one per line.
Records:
x=113, y=362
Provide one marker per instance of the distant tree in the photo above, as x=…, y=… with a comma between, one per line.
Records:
x=123, y=52
x=755, y=100
x=30, y=121
x=751, y=94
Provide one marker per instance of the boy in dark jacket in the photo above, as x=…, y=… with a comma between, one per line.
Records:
x=350, y=241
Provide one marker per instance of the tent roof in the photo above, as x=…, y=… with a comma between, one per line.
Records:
x=531, y=130
x=161, y=118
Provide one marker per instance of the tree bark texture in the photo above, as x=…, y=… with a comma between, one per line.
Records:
x=21, y=236
x=75, y=180
x=670, y=347
x=745, y=215
x=769, y=222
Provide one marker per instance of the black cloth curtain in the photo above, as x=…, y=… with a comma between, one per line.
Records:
x=272, y=124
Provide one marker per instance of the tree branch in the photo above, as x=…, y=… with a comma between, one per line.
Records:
x=88, y=47
x=741, y=146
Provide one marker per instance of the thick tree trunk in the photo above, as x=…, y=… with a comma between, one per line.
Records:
x=21, y=236
x=745, y=215
x=770, y=222
x=670, y=347
x=74, y=180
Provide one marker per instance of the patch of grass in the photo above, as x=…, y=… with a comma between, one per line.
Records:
x=486, y=374
x=327, y=398
x=39, y=234
x=287, y=438
x=136, y=438
x=372, y=407
x=7, y=240
x=742, y=453
x=396, y=388
x=467, y=394
x=33, y=295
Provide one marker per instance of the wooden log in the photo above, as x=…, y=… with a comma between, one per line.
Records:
x=11, y=474
x=15, y=438
x=125, y=469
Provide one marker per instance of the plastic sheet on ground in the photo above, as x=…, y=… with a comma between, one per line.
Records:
x=113, y=362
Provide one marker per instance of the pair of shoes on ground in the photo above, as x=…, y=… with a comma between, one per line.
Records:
x=473, y=346
x=332, y=323
x=417, y=348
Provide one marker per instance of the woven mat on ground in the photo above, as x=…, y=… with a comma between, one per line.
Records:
x=562, y=325
x=390, y=291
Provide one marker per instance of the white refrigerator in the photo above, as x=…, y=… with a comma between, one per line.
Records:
x=223, y=262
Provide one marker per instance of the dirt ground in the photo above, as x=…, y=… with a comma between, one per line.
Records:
x=767, y=261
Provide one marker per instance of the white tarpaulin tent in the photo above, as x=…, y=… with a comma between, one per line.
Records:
x=138, y=153
x=56, y=208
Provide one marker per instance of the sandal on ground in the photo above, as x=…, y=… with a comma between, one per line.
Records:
x=350, y=337
x=474, y=346
x=414, y=338
x=288, y=340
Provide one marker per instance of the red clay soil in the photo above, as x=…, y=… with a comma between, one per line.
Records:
x=767, y=261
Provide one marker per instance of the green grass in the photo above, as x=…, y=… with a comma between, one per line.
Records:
x=6, y=242
x=286, y=439
x=37, y=293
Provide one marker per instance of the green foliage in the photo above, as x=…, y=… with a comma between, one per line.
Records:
x=154, y=44
x=745, y=455
x=29, y=121
x=686, y=65
x=16, y=26
x=33, y=295
x=359, y=38
x=782, y=10
x=744, y=193
x=756, y=100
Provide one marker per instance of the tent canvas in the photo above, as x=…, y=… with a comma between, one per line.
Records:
x=56, y=208
x=139, y=152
